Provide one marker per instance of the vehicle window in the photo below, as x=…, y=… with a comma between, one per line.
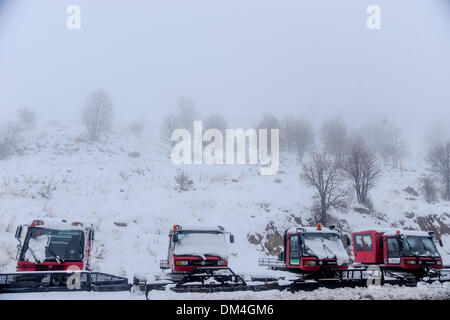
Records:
x=294, y=246
x=48, y=244
x=201, y=243
x=393, y=249
x=358, y=242
x=367, y=242
x=419, y=246
x=430, y=247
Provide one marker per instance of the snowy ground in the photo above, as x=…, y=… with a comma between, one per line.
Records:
x=434, y=291
x=104, y=183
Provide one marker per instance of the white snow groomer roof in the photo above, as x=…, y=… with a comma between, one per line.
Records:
x=60, y=224
x=319, y=229
x=198, y=228
x=202, y=243
x=393, y=232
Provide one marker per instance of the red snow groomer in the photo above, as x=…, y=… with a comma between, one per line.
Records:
x=53, y=255
x=398, y=250
x=312, y=251
x=53, y=245
x=198, y=262
x=193, y=247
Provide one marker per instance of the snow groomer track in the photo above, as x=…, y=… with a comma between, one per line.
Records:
x=41, y=281
x=202, y=280
x=207, y=280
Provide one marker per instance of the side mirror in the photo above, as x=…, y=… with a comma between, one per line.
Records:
x=440, y=243
x=175, y=237
x=281, y=256
x=91, y=235
x=231, y=238
x=19, y=232
x=347, y=241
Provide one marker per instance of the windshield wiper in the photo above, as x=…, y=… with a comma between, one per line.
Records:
x=407, y=251
x=58, y=258
x=325, y=247
x=34, y=256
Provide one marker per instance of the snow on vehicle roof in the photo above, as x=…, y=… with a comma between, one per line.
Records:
x=202, y=244
x=59, y=224
x=326, y=247
x=197, y=228
x=312, y=230
x=393, y=232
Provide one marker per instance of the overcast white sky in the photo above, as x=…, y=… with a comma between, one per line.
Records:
x=239, y=57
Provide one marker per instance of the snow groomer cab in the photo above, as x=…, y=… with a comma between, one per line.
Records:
x=314, y=249
x=398, y=250
x=54, y=245
x=314, y=252
x=197, y=247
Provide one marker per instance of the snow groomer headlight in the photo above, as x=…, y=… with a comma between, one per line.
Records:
x=439, y=262
x=309, y=262
x=181, y=262
x=222, y=263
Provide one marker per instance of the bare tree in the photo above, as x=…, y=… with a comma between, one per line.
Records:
x=137, y=128
x=27, y=117
x=375, y=134
x=169, y=124
x=325, y=176
x=183, y=181
x=9, y=140
x=269, y=122
x=385, y=138
x=396, y=146
x=98, y=114
x=439, y=159
x=186, y=112
x=287, y=132
x=429, y=189
x=297, y=135
x=216, y=121
x=334, y=136
x=436, y=135
x=363, y=169
x=183, y=119
x=304, y=137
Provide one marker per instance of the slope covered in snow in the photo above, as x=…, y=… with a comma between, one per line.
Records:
x=125, y=186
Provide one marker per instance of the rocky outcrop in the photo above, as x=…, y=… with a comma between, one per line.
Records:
x=437, y=223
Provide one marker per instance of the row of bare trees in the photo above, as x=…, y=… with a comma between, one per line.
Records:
x=96, y=116
x=381, y=137
x=359, y=166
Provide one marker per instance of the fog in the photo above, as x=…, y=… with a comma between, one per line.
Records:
x=313, y=59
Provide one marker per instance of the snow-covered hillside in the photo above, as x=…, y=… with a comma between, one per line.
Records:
x=125, y=186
